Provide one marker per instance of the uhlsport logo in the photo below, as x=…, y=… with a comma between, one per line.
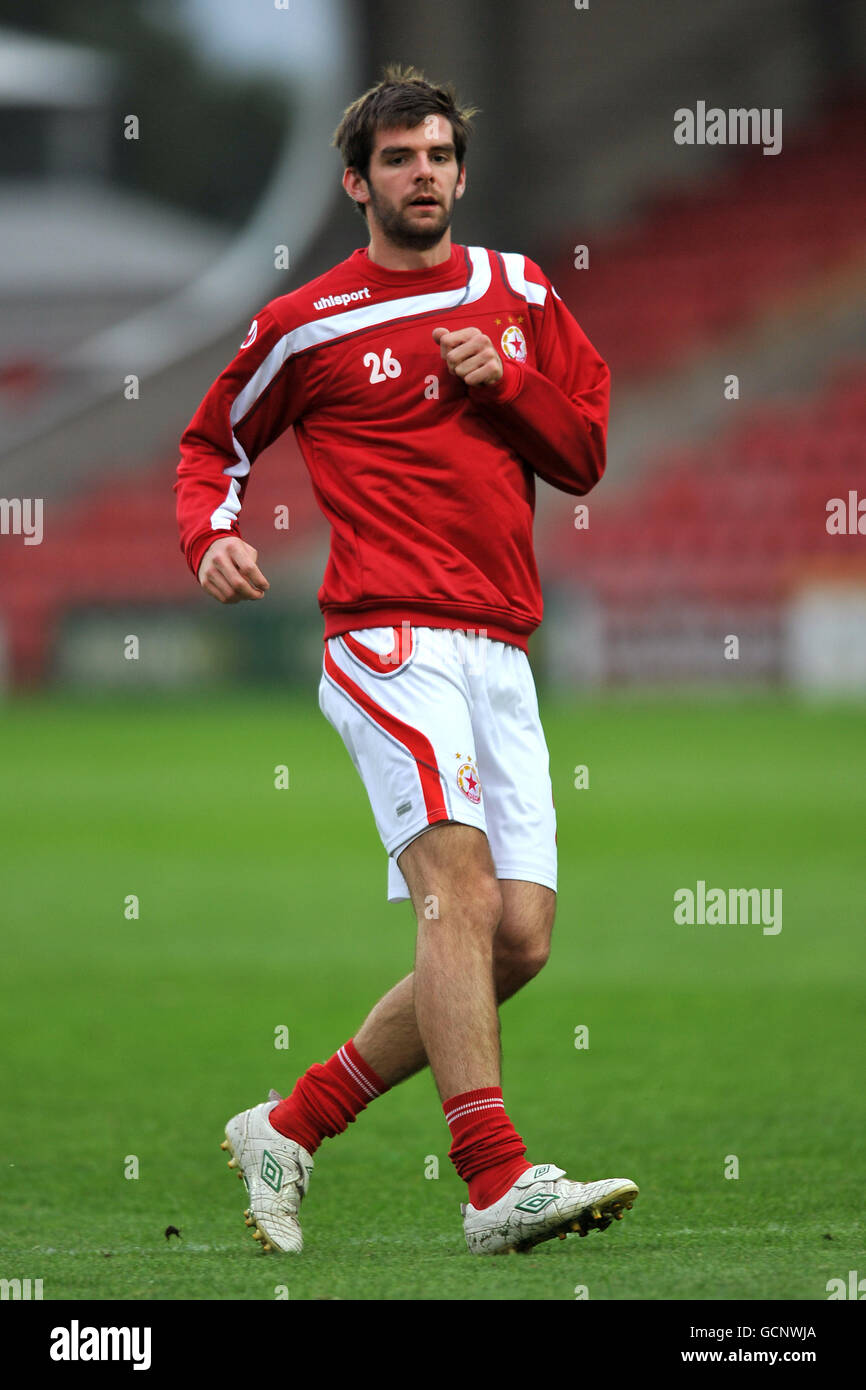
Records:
x=468, y=781
x=251, y=335
x=514, y=343
x=336, y=301
x=272, y=1173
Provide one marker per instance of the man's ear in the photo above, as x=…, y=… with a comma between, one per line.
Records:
x=460, y=186
x=356, y=186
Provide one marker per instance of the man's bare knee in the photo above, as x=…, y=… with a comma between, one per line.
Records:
x=522, y=944
x=519, y=963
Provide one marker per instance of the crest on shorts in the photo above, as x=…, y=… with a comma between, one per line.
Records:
x=514, y=343
x=468, y=780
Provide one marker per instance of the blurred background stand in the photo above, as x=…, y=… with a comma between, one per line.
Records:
x=724, y=286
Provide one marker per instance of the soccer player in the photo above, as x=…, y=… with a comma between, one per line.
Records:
x=428, y=385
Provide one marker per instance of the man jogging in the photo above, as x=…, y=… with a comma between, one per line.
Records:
x=428, y=384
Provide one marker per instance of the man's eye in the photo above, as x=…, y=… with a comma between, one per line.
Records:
x=438, y=154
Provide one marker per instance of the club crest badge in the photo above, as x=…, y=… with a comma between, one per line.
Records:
x=468, y=780
x=514, y=343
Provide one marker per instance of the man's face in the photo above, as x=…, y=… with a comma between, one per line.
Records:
x=413, y=182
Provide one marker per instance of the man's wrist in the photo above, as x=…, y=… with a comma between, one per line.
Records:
x=202, y=544
x=503, y=390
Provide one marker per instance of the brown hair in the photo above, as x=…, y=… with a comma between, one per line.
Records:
x=402, y=98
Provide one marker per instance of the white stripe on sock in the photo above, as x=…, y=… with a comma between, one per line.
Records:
x=357, y=1076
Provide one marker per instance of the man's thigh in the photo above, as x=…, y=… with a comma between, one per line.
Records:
x=450, y=872
x=526, y=925
x=404, y=716
x=442, y=731
x=514, y=766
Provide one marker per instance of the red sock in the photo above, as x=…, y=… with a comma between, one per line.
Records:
x=327, y=1098
x=486, y=1149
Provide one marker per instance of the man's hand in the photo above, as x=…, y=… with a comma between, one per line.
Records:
x=229, y=572
x=470, y=355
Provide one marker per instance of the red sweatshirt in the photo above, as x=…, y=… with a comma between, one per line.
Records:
x=429, y=485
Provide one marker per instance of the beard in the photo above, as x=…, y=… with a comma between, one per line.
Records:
x=406, y=229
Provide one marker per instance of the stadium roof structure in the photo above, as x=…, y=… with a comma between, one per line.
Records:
x=61, y=424
x=50, y=73
x=75, y=256
x=77, y=251
x=58, y=236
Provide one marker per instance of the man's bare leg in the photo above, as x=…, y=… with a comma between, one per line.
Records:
x=458, y=907
x=389, y=1039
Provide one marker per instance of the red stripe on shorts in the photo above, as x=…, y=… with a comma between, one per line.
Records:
x=380, y=661
x=418, y=745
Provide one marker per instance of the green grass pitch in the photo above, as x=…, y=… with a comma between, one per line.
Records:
x=262, y=908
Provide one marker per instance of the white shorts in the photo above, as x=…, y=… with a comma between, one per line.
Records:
x=443, y=725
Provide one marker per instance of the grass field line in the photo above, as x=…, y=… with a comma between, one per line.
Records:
x=239, y=1248
x=136, y=1250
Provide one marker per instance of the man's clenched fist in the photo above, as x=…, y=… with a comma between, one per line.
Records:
x=229, y=571
x=469, y=354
